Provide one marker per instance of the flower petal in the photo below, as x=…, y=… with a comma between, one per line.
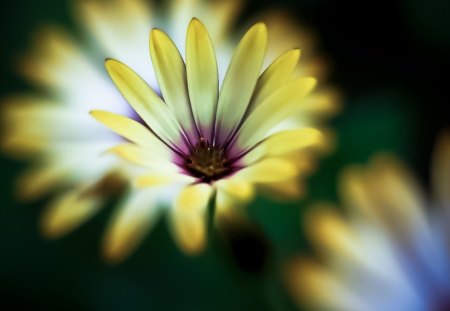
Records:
x=130, y=224
x=128, y=128
x=282, y=143
x=162, y=178
x=188, y=218
x=171, y=74
x=202, y=77
x=267, y=171
x=144, y=100
x=240, y=79
x=272, y=110
x=157, y=160
x=238, y=188
x=275, y=76
x=69, y=211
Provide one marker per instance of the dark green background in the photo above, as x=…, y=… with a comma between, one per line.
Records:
x=390, y=60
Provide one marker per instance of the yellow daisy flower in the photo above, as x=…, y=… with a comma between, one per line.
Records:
x=53, y=130
x=203, y=139
x=391, y=251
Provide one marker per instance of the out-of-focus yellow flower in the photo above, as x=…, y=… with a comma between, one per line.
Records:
x=392, y=250
x=54, y=131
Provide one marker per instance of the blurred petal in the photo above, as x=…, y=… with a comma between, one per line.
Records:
x=188, y=218
x=267, y=171
x=129, y=225
x=68, y=211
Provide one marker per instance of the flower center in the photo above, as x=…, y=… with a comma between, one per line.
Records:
x=207, y=162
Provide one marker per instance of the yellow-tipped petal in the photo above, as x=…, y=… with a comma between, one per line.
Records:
x=238, y=188
x=283, y=143
x=145, y=101
x=275, y=76
x=163, y=178
x=202, y=76
x=130, y=129
x=129, y=225
x=188, y=218
x=144, y=157
x=267, y=171
x=171, y=74
x=68, y=212
x=441, y=170
x=241, y=77
x=273, y=109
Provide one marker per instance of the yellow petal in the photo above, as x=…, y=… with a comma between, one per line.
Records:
x=171, y=74
x=144, y=157
x=68, y=212
x=273, y=110
x=275, y=76
x=188, y=218
x=282, y=143
x=129, y=225
x=267, y=171
x=241, y=77
x=130, y=129
x=238, y=188
x=202, y=76
x=144, y=100
x=164, y=178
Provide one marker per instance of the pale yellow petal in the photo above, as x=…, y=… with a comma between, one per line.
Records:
x=171, y=74
x=267, y=171
x=202, y=76
x=284, y=142
x=275, y=76
x=162, y=178
x=129, y=225
x=144, y=157
x=188, y=218
x=145, y=101
x=130, y=129
x=238, y=188
x=273, y=109
x=241, y=78
x=69, y=211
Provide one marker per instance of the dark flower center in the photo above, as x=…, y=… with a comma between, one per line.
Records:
x=207, y=162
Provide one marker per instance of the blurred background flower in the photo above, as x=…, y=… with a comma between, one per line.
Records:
x=389, y=59
x=391, y=251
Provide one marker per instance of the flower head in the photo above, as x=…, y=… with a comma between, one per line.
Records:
x=53, y=131
x=204, y=139
x=392, y=252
